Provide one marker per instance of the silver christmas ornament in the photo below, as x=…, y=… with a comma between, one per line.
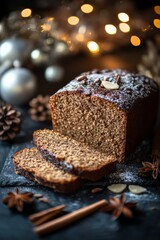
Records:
x=14, y=49
x=61, y=49
x=4, y=67
x=17, y=86
x=38, y=57
x=54, y=73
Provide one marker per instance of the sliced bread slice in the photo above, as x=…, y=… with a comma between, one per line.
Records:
x=74, y=157
x=30, y=164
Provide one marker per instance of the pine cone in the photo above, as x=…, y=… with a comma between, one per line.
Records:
x=10, y=122
x=40, y=109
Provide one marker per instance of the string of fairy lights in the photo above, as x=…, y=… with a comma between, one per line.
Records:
x=124, y=25
x=91, y=27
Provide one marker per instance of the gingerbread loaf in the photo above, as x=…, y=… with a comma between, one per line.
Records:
x=73, y=156
x=110, y=110
x=31, y=164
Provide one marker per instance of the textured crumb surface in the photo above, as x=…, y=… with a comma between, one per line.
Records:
x=91, y=120
x=70, y=151
x=30, y=163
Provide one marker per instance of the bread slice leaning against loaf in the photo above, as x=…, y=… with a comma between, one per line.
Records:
x=74, y=157
x=30, y=164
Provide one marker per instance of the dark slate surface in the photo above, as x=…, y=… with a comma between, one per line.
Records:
x=16, y=226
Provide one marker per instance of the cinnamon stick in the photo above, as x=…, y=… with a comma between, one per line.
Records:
x=68, y=218
x=43, y=216
x=46, y=218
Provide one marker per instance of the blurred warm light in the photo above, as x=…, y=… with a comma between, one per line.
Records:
x=157, y=9
x=26, y=12
x=124, y=27
x=135, y=41
x=61, y=47
x=147, y=28
x=123, y=17
x=45, y=27
x=73, y=20
x=87, y=8
x=50, y=19
x=80, y=37
x=82, y=29
x=110, y=29
x=93, y=47
x=156, y=23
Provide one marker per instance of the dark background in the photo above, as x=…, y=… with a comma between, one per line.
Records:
x=40, y=5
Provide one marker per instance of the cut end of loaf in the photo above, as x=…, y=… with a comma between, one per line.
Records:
x=73, y=156
x=30, y=164
x=91, y=120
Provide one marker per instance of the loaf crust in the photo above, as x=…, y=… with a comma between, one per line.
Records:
x=135, y=103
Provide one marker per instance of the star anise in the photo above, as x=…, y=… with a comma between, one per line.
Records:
x=18, y=199
x=149, y=167
x=119, y=206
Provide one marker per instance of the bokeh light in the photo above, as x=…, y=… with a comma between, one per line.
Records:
x=73, y=20
x=123, y=17
x=26, y=12
x=135, y=41
x=45, y=27
x=80, y=37
x=157, y=9
x=93, y=47
x=87, y=8
x=156, y=23
x=124, y=27
x=110, y=29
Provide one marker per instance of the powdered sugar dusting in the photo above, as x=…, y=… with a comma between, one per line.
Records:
x=132, y=86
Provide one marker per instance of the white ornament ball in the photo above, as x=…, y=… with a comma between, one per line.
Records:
x=61, y=49
x=54, y=73
x=17, y=86
x=14, y=49
x=38, y=57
